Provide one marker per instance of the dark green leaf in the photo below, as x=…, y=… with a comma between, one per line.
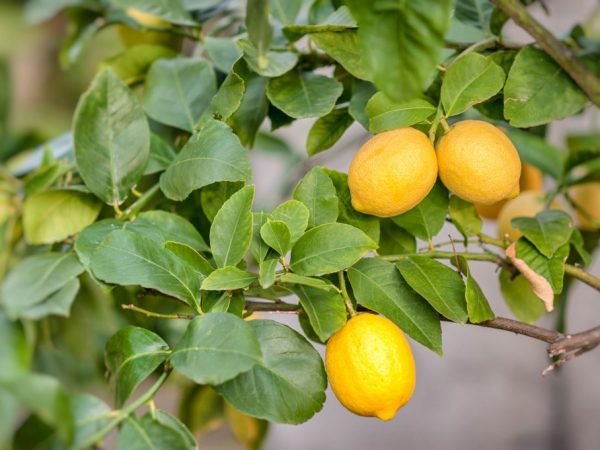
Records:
x=273, y=63
x=361, y=93
x=150, y=434
x=161, y=155
x=229, y=96
x=228, y=278
x=258, y=247
x=538, y=91
x=214, y=195
x=537, y=151
x=317, y=192
x=132, y=355
x=194, y=259
x=385, y=114
x=329, y=248
x=292, y=278
x=441, y=286
x=552, y=269
x=582, y=148
x=474, y=12
x=378, y=286
x=464, y=217
x=477, y=305
x=287, y=386
x=224, y=52
x=302, y=95
x=520, y=298
x=327, y=130
x=215, y=348
x=325, y=309
x=259, y=28
x=231, y=230
x=179, y=90
x=89, y=239
x=469, y=80
x=395, y=240
x=214, y=154
x=295, y=215
x=344, y=47
x=549, y=230
x=112, y=139
x=427, y=218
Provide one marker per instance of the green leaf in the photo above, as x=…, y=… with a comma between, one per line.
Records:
x=401, y=42
x=395, y=240
x=295, y=215
x=258, y=247
x=36, y=278
x=552, y=269
x=214, y=195
x=91, y=415
x=148, y=265
x=259, y=28
x=132, y=354
x=427, y=218
x=534, y=150
x=464, y=217
x=329, y=248
x=538, y=91
x=361, y=93
x=216, y=347
x=164, y=226
x=287, y=386
x=89, y=239
x=317, y=192
x=549, y=230
x=385, y=114
x=171, y=11
x=582, y=148
x=477, y=305
x=520, y=298
x=194, y=259
x=161, y=155
x=10, y=417
x=267, y=272
x=318, y=283
x=378, y=286
x=277, y=235
x=325, y=309
x=200, y=407
x=228, y=278
x=57, y=304
x=150, y=434
x=327, y=130
x=302, y=95
x=229, y=97
x=344, y=47
x=231, y=230
x=214, y=154
x=285, y=11
x=133, y=63
x=224, y=52
x=53, y=216
x=347, y=214
x=469, y=80
x=441, y=286
x=273, y=63
x=14, y=351
x=179, y=90
x=474, y=12
x=112, y=139
x=249, y=431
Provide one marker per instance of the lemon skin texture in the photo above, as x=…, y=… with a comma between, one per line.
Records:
x=531, y=180
x=131, y=36
x=587, y=197
x=392, y=172
x=478, y=162
x=527, y=204
x=371, y=367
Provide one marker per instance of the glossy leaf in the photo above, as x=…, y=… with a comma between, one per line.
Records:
x=277, y=235
x=327, y=130
x=148, y=433
x=227, y=278
x=231, y=230
x=215, y=348
x=214, y=154
x=548, y=230
x=132, y=355
x=441, y=286
x=287, y=386
x=343, y=46
x=385, y=114
x=329, y=248
x=295, y=215
x=214, y=195
x=317, y=192
x=477, y=305
x=112, y=139
x=195, y=260
x=377, y=285
x=258, y=247
x=273, y=63
x=267, y=272
x=395, y=240
x=318, y=283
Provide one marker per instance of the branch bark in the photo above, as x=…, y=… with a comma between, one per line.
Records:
x=579, y=72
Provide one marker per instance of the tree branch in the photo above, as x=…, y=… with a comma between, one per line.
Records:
x=584, y=77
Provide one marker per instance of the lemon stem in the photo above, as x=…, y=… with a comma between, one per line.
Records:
x=444, y=125
x=345, y=295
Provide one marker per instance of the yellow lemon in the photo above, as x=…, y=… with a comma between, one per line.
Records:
x=392, y=172
x=370, y=366
x=132, y=36
x=527, y=204
x=587, y=197
x=478, y=162
x=531, y=180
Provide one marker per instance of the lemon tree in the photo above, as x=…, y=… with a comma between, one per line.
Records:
x=138, y=243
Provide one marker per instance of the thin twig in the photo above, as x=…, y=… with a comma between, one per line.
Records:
x=149, y=313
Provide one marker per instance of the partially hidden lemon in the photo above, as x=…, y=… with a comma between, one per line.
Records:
x=478, y=162
x=392, y=172
x=526, y=204
x=370, y=366
x=531, y=180
x=587, y=198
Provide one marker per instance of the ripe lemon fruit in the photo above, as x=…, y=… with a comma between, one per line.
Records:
x=527, y=204
x=370, y=366
x=392, y=172
x=587, y=197
x=531, y=180
x=132, y=36
x=478, y=162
